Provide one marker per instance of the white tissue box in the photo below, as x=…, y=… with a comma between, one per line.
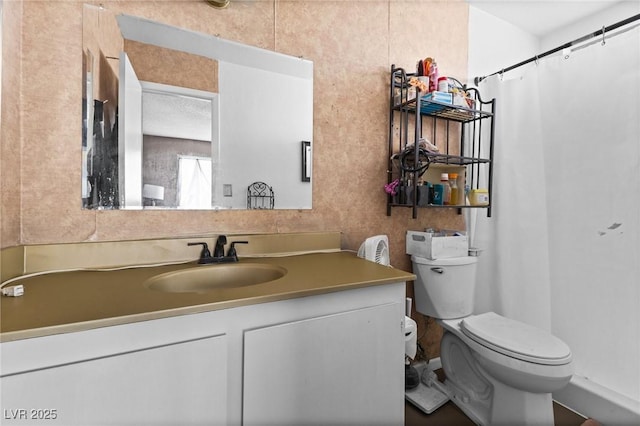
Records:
x=430, y=246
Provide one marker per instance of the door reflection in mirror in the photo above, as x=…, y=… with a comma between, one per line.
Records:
x=178, y=127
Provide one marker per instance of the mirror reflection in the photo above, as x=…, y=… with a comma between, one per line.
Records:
x=177, y=127
x=182, y=120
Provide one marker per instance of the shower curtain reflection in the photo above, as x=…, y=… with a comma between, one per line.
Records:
x=194, y=182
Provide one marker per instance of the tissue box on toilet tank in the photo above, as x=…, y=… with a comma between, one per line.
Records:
x=433, y=246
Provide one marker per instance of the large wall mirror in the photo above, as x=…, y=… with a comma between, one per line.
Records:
x=176, y=119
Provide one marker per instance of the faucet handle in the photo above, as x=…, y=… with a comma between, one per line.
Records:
x=232, y=250
x=205, y=254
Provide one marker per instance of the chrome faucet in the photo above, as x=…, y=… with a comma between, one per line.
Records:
x=218, y=252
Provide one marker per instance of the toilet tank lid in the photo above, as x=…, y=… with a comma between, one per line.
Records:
x=449, y=261
x=516, y=339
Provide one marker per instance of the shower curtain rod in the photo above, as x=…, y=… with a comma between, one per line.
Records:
x=582, y=39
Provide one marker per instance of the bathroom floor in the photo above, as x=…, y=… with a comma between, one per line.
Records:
x=450, y=415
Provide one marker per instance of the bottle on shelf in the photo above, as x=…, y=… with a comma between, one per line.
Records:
x=455, y=193
x=443, y=84
x=479, y=197
x=408, y=192
x=425, y=194
x=438, y=190
x=433, y=76
x=446, y=193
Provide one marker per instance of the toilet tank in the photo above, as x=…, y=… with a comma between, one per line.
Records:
x=445, y=288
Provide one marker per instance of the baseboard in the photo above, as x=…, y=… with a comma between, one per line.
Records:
x=595, y=401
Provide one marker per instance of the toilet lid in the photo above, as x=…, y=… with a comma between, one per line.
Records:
x=516, y=339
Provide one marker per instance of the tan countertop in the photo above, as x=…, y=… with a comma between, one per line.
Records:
x=81, y=300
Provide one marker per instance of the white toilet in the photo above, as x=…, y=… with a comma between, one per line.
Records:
x=498, y=371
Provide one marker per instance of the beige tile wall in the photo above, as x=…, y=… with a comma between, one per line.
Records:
x=352, y=44
x=168, y=66
x=10, y=192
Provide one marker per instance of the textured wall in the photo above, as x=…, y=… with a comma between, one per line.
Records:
x=167, y=66
x=352, y=44
x=10, y=126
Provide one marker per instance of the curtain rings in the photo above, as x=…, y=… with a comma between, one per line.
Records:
x=604, y=41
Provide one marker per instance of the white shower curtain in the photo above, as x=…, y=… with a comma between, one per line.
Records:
x=515, y=237
x=562, y=248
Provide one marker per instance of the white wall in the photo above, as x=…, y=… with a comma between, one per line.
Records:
x=495, y=44
x=606, y=17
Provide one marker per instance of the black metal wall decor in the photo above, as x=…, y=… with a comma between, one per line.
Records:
x=260, y=196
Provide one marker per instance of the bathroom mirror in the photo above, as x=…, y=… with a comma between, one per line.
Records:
x=165, y=106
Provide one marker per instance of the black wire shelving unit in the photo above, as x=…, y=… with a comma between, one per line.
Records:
x=464, y=136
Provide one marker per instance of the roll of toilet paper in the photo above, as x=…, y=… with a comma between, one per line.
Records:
x=410, y=337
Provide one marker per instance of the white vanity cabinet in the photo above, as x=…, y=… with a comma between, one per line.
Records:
x=337, y=369
x=145, y=386
x=153, y=372
x=329, y=358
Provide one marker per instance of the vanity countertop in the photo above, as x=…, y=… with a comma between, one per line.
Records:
x=63, y=302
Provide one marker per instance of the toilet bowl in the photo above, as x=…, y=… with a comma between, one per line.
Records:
x=498, y=371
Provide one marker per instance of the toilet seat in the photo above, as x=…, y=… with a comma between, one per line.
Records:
x=516, y=339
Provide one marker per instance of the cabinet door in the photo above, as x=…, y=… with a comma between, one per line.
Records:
x=346, y=368
x=175, y=384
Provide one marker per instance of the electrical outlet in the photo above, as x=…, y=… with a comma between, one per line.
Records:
x=226, y=190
